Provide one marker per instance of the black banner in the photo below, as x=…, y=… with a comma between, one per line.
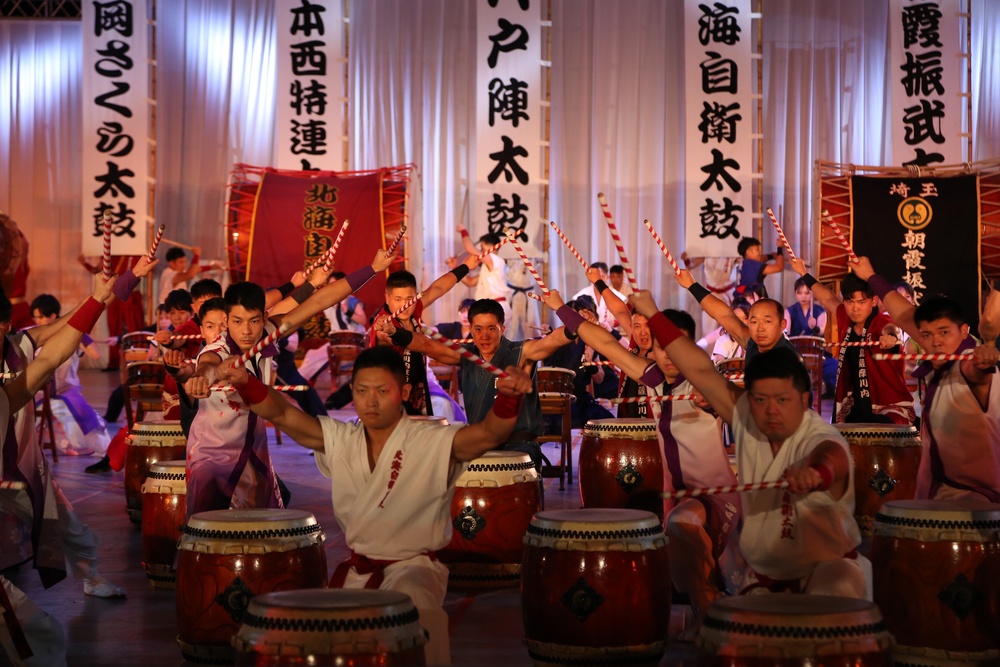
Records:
x=924, y=231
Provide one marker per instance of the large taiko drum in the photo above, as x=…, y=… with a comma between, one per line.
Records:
x=787, y=630
x=494, y=501
x=346, y=339
x=551, y=380
x=595, y=587
x=886, y=458
x=327, y=627
x=620, y=465
x=936, y=577
x=225, y=557
x=164, y=506
x=149, y=442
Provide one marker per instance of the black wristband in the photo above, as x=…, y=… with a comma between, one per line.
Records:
x=302, y=292
x=460, y=271
x=401, y=337
x=699, y=292
x=808, y=279
x=286, y=289
x=779, y=252
x=601, y=286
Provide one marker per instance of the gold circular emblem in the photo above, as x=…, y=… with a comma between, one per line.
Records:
x=914, y=213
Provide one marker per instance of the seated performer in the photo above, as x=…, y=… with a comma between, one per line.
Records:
x=392, y=478
x=700, y=529
x=960, y=420
x=799, y=539
x=867, y=391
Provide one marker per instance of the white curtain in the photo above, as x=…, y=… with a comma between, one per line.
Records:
x=616, y=120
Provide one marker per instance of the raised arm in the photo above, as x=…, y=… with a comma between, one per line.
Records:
x=900, y=310
x=778, y=266
x=286, y=298
x=442, y=285
x=537, y=349
x=615, y=305
x=388, y=334
x=716, y=308
x=474, y=440
x=690, y=359
x=823, y=294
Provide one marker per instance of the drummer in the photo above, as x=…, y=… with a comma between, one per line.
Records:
x=392, y=477
x=703, y=531
x=801, y=539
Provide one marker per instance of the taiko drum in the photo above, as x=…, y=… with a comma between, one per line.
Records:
x=149, y=442
x=620, y=465
x=164, y=502
x=552, y=380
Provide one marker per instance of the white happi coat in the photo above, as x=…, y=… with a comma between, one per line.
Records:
x=817, y=527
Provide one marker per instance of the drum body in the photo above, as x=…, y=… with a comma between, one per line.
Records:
x=494, y=501
x=886, y=459
x=164, y=502
x=787, y=630
x=595, y=587
x=552, y=380
x=620, y=465
x=149, y=442
x=225, y=557
x=936, y=576
x=330, y=627
x=350, y=339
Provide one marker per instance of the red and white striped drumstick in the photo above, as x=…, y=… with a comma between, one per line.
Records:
x=598, y=363
x=732, y=488
x=863, y=343
x=734, y=376
x=277, y=387
x=659, y=242
x=921, y=357
x=608, y=218
x=840, y=236
x=182, y=337
x=568, y=244
x=457, y=346
x=656, y=399
x=395, y=241
x=106, y=258
x=406, y=304
x=328, y=262
x=532, y=295
x=262, y=343
x=527, y=262
x=8, y=376
x=151, y=255
x=483, y=254
x=781, y=234
x=14, y=486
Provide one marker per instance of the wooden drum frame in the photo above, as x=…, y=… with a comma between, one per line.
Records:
x=620, y=465
x=149, y=442
x=164, y=499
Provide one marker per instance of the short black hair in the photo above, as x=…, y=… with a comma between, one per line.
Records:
x=801, y=282
x=178, y=299
x=466, y=304
x=583, y=303
x=175, y=253
x=938, y=307
x=215, y=303
x=600, y=266
x=682, y=320
x=780, y=363
x=401, y=278
x=745, y=244
x=486, y=307
x=490, y=238
x=906, y=287
x=756, y=289
x=381, y=356
x=779, y=309
x=852, y=284
x=616, y=269
x=206, y=287
x=6, y=307
x=246, y=294
x=46, y=304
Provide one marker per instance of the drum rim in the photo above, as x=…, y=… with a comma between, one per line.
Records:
x=256, y=534
x=298, y=599
x=879, y=430
x=643, y=524
x=632, y=425
x=892, y=514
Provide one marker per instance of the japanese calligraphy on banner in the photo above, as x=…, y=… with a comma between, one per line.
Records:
x=926, y=72
x=309, y=115
x=508, y=121
x=718, y=84
x=116, y=167
x=921, y=230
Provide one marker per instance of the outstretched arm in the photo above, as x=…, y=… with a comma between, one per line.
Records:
x=826, y=298
x=474, y=440
x=388, y=334
x=716, y=308
x=295, y=291
x=440, y=287
x=537, y=349
x=826, y=468
x=615, y=305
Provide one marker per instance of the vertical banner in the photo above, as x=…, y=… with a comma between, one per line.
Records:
x=508, y=121
x=115, y=125
x=309, y=114
x=921, y=230
x=926, y=70
x=718, y=86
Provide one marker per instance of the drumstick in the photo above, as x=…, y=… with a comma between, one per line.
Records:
x=395, y=241
x=598, y=363
x=8, y=376
x=182, y=337
x=178, y=245
x=603, y=201
x=277, y=387
x=406, y=304
x=106, y=258
x=781, y=234
x=328, y=262
x=527, y=262
x=568, y=244
x=732, y=488
x=262, y=343
x=922, y=357
x=734, y=376
x=151, y=255
x=840, y=236
x=863, y=343
x=659, y=242
x=483, y=254
x=14, y=486
x=532, y=295
x=656, y=399
x=474, y=358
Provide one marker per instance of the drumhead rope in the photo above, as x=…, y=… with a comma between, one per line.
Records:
x=260, y=534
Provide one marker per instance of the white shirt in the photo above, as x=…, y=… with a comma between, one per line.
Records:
x=604, y=316
x=167, y=284
x=492, y=283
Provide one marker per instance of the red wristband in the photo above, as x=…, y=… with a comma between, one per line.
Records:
x=86, y=315
x=824, y=472
x=464, y=233
x=254, y=391
x=664, y=331
x=507, y=407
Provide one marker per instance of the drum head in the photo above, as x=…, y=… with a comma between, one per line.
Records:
x=501, y=467
x=786, y=608
x=172, y=425
x=621, y=428
x=596, y=529
x=877, y=431
x=556, y=369
x=264, y=522
x=929, y=512
x=333, y=600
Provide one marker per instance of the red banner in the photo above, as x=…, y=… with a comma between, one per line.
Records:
x=297, y=218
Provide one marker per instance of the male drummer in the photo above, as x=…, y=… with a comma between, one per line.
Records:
x=392, y=478
x=802, y=538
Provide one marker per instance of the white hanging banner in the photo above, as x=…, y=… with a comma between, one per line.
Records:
x=116, y=169
x=926, y=71
x=309, y=113
x=508, y=121
x=718, y=119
